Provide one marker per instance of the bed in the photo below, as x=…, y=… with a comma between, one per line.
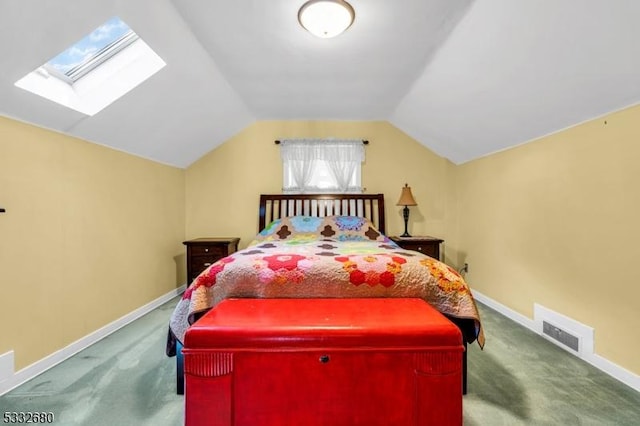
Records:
x=326, y=245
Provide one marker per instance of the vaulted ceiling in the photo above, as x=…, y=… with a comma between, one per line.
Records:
x=465, y=78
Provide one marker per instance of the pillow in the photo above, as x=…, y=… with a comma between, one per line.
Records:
x=308, y=228
x=350, y=228
x=287, y=228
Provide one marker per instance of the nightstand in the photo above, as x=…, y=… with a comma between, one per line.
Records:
x=425, y=245
x=203, y=252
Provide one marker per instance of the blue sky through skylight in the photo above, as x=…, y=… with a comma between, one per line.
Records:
x=91, y=44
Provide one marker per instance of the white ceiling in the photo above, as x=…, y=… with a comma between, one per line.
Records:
x=465, y=78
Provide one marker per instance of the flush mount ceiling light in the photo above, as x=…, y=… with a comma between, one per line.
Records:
x=326, y=18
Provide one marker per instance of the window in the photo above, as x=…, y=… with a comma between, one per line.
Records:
x=97, y=70
x=101, y=44
x=322, y=165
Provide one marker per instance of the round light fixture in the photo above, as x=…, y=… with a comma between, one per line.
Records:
x=326, y=18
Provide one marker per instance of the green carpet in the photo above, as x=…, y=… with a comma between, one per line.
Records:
x=518, y=379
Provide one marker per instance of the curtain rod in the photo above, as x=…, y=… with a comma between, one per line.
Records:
x=364, y=142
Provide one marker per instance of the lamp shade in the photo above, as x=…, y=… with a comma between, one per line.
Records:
x=326, y=18
x=406, y=197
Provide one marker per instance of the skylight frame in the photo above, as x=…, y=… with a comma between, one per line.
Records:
x=92, y=62
x=96, y=71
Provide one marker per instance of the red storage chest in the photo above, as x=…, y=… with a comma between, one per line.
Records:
x=323, y=362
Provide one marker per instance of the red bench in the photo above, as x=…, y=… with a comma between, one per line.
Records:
x=323, y=362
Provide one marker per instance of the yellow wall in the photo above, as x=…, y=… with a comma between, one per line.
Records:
x=90, y=234
x=557, y=222
x=95, y=233
x=223, y=187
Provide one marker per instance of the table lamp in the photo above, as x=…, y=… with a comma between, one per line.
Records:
x=406, y=200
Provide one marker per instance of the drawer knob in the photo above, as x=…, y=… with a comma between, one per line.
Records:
x=206, y=250
x=207, y=264
x=419, y=248
x=324, y=359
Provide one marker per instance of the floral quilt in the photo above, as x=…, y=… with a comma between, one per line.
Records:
x=335, y=256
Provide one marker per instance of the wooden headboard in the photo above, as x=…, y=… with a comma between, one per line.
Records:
x=275, y=206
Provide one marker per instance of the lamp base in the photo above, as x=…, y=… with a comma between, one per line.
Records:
x=405, y=215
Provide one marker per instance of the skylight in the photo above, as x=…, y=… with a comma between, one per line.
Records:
x=97, y=70
x=95, y=48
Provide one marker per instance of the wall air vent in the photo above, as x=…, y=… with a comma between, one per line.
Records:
x=563, y=331
x=561, y=336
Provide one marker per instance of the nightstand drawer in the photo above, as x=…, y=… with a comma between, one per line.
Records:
x=432, y=250
x=428, y=246
x=200, y=250
x=200, y=263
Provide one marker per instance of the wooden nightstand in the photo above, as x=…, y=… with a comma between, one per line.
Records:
x=203, y=252
x=425, y=245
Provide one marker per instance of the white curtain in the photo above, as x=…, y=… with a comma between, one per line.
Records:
x=321, y=165
x=299, y=161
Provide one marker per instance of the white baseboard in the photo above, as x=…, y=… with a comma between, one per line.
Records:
x=619, y=373
x=6, y=365
x=614, y=370
x=507, y=312
x=12, y=380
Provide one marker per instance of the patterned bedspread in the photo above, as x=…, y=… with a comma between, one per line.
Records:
x=336, y=256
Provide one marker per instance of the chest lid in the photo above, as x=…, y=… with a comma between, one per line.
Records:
x=245, y=324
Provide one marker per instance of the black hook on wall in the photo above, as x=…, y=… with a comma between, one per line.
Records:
x=2, y=210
